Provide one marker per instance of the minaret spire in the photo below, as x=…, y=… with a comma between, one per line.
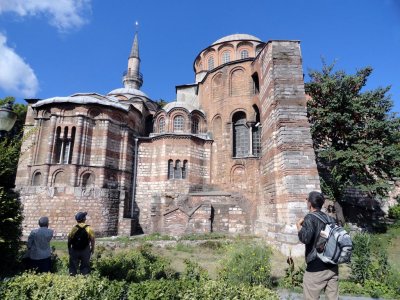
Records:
x=132, y=77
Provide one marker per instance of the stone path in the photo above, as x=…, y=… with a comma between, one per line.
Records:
x=286, y=295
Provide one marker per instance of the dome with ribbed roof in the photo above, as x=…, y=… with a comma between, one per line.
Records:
x=235, y=37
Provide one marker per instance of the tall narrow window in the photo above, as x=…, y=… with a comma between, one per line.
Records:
x=241, y=138
x=256, y=133
x=178, y=170
x=244, y=54
x=170, y=169
x=178, y=123
x=226, y=57
x=210, y=63
x=195, y=125
x=161, y=125
x=58, y=145
x=184, y=169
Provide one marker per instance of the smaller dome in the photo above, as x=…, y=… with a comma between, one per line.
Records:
x=236, y=37
x=129, y=91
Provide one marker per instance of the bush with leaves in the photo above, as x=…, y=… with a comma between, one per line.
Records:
x=194, y=290
x=394, y=212
x=293, y=276
x=10, y=231
x=247, y=263
x=49, y=286
x=132, y=265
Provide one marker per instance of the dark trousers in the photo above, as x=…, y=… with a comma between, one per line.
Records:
x=41, y=265
x=79, y=259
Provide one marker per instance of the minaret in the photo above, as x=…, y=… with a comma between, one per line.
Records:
x=132, y=77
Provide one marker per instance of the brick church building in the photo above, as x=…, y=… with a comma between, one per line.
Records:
x=232, y=154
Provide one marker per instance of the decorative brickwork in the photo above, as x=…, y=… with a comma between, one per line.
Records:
x=232, y=154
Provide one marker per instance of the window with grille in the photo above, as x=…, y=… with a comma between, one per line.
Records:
x=226, y=57
x=177, y=170
x=161, y=125
x=210, y=63
x=244, y=54
x=241, y=136
x=195, y=125
x=178, y=123
x=64, y=145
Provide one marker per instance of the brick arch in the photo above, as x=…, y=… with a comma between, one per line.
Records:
x=217, y=87
x=94, y=113
x=37, y=178
x=238, y=83
x=238, y=176
x=217, y=126
x=239, y=109
x=59, y=178
x=175, y=113
x=87, y=178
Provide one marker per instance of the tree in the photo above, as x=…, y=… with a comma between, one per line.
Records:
x=10, y=206
x=356, y=138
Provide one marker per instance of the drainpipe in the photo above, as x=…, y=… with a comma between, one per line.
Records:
x=135, y=159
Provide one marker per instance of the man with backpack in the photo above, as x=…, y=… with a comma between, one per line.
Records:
x=318, y=275
x=80, y=245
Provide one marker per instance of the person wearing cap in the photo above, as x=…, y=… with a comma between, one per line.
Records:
x=80, y=258
x=39, y=246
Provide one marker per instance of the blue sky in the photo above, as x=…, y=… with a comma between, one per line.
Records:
x=57, y=48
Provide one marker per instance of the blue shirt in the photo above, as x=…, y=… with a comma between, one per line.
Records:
x=39, y=243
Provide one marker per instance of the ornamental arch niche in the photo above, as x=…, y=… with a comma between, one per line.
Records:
x=36, y=178
x=238, y=82
x=238, y=177
x=59, y=179
x=217, y=87
x=217, y=126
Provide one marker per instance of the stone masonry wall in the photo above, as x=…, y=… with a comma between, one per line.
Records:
x=288, y=160
x=61, y=204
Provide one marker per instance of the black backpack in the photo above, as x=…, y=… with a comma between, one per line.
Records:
x=80, y=240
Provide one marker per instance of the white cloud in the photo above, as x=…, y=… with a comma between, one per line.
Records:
x=16, y=76
x=63, y=14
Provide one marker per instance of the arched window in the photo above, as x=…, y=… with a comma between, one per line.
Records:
x=184, y=169
x=195, y=125
x=170, y=169
x=87, y=180
x=241, y=136
x=161, y=125
x=211, y=63
x=37, y=179
x=178, y=170
x=178, y=123
x=226, y=57
x=244, y=54
x=64, y=146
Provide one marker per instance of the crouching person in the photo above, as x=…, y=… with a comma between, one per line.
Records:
x=81, y=243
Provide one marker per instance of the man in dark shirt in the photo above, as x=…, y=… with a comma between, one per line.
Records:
x=318, y=275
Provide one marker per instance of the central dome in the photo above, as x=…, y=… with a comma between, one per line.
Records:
x=235, y=37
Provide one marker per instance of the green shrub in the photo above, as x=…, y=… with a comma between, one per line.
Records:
x=361, y=260
x=394, y=212
x=193, y=271
x=194, y=290
x=247, y=263
x=10, y=232
x=132, y=265
x=293, y=276
x=53, y=286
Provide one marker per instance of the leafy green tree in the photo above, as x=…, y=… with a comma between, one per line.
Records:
x=356, y=137
x=10, y=206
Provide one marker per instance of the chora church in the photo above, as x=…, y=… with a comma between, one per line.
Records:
x=233, y=153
